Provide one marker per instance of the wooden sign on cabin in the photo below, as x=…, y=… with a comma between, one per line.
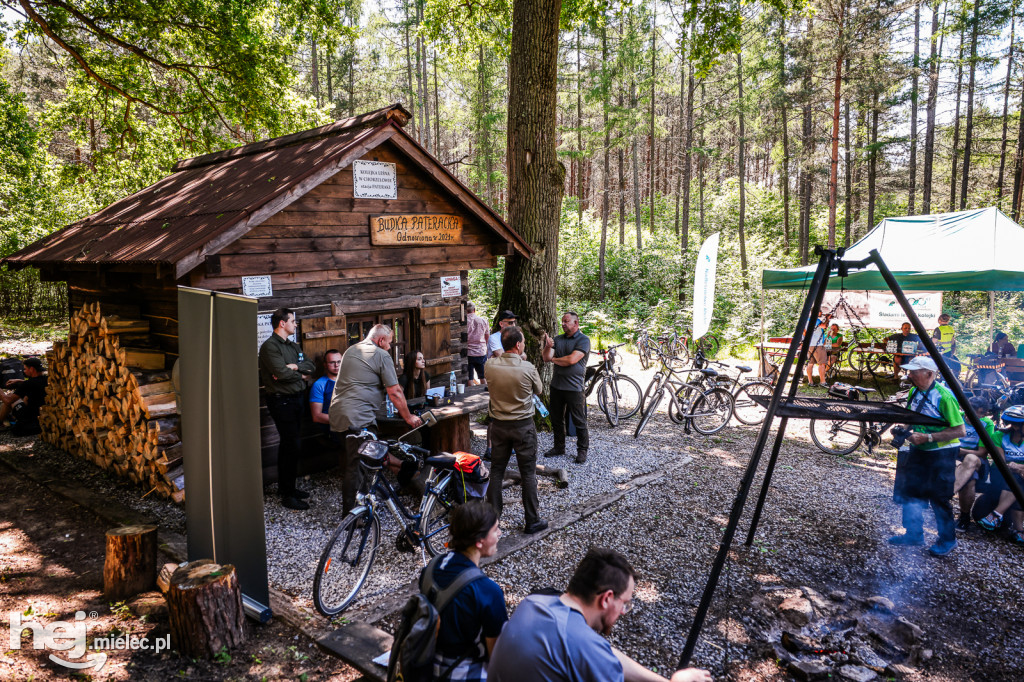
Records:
x=408, y=229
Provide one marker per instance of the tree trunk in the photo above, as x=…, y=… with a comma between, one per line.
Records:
x=1018, y=170
x=742, y=168
x=701, y=163
x=873, y=161
x=605, y=207
x=204, y=604
x=933, y=92
x=1006, y=105
x=847, y=167
x=833, y=175
x=130, y=564
x=579, y=130
x=636, y=171
x=653, y=162
x=969, y=127
x=408, y=72
x=807, y=152
x=956, y=123
x=912, y=193
x=783, y=100
x=437, y=115
x=622, y=157
x=536, y=177
x=314, y=71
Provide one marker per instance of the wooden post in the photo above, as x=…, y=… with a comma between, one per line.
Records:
x=204, y=603
x=130, y=564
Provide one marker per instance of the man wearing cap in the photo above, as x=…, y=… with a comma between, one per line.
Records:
x=568, y=352
x=494, y=349
x=927, y=473
x=25, y=399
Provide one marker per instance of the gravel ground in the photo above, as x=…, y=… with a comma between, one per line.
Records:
x=824, y=526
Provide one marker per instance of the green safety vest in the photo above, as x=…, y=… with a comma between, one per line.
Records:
x=946, y=334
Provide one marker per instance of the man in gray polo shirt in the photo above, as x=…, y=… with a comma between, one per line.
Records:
x=568, y=352
x=367, y=373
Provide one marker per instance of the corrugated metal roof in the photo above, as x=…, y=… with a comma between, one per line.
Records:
x=180, y=213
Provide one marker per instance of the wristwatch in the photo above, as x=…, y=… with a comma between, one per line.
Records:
x=931, y=437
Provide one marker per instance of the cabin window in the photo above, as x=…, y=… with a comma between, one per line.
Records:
x=359, y=326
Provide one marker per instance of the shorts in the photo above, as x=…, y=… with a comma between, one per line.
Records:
x=818, y=355
x=476, y=363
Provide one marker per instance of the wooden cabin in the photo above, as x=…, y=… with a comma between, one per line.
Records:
x=349, y=224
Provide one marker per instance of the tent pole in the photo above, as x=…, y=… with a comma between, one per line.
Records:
x=991, y=319
x=762, y=339
x=954, y=385
x=814, y=295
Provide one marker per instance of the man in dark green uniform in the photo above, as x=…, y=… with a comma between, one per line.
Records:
x=282, y=370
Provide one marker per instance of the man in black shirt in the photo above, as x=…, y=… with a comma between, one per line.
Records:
x=23, y=402
x=568, y=352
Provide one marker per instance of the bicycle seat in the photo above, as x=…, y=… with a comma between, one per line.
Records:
x=744, y=368
x=709, y=372
x=443, y=460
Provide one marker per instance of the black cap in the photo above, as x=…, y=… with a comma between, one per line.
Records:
x=507, y=315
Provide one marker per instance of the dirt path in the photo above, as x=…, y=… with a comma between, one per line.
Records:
x=51, y=566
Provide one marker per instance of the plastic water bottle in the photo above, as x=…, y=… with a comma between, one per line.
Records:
x=390, y=407
x=451, y=383
x=539, y=404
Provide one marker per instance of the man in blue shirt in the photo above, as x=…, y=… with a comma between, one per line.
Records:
x=557, y=638
x=323, y=389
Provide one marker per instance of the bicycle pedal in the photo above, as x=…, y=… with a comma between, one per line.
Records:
x=403, y=544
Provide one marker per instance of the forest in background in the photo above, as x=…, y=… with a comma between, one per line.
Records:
x=794, y=125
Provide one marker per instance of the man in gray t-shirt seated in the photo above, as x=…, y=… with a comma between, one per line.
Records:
x=568, y=352
x=555, y=638
x=367, y=373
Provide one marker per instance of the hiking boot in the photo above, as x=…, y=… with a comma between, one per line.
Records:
x=554, y=452
x=535, y=527
x=964, y=525
x=300, y=494
x=1017, y=537
x=293, y=503
x=907, y=540
x=581, y=456
x=942, y=548
x=992, y=521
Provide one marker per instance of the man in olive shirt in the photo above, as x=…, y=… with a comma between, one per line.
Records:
x=568, y=352
x=282, y=374
x=512, y=382
x=367, y=373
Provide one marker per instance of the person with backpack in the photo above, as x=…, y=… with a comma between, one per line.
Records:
x=464, y=607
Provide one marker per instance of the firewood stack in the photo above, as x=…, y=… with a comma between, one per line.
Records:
x=113, y=403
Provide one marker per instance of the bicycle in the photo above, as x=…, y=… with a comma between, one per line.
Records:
x=618, y=396
x=706, y=345
x=346, y=561
x=746, y=409
x=841, y=436
x=707, y=410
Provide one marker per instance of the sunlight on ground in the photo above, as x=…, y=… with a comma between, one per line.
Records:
x=647, y=592
x=733, y=630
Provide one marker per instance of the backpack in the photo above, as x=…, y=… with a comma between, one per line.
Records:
x=412, y=652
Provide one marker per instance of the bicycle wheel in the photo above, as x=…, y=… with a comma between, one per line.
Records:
x=711, y=411
x=608, y=400
x=648, y=396
x=652, y=407
x=747, y=410
x=678, y=405
x=434, y=523
x=345, y=562
x=837, y=436
x=708, y=345
x=630, y=396
x=643, y=349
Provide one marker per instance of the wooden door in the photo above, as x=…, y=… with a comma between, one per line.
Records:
x=435, y=339
x=321, y=334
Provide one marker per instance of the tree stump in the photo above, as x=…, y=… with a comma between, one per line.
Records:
x=204, y=603
x=130, y=564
